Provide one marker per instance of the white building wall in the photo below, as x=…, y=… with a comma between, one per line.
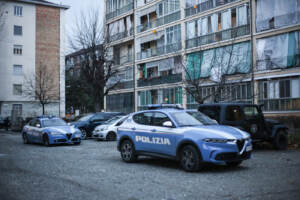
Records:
x=8, y=59
x=62, y=92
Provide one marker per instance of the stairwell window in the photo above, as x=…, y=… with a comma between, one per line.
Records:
x=18, y=49
x=17, y=89
x=18, y=11
x=18, y=30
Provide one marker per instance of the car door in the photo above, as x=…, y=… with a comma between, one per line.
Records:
x=36, y=131
x=29, y=130
x=141, y=128
x=96, y=120
x=163, y=138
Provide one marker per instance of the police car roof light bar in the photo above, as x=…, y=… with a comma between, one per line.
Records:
x=164, y=106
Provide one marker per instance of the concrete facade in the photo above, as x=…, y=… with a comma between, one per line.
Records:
x=42, y=41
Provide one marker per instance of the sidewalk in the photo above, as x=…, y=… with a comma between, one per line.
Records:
x=3, y=131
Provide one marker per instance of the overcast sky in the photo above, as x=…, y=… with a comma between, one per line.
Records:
x=76, y=6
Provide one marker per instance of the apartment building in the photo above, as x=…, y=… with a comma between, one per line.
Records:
x=32, y=36
x=263, y=34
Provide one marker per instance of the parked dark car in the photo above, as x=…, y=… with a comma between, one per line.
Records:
x=250, y=118
x=5, y=122
x=88, y=122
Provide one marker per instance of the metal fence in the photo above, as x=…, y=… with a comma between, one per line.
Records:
x=282, y=104
x=121, y=35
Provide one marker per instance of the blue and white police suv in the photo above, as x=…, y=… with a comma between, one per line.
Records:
x=50, y=130
x=185, y=135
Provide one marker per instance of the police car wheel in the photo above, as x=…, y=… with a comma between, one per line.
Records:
x=233, y=163
x=25, y=139
x=190, y=159
x=77, y=143
x=111, y=136
x=281, y=140
x=46, y=140
x=83, y=134
x=128, y=151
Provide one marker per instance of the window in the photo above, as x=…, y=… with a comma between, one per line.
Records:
x=18, y=11
x=250, y=111
x=18, y=30
x=159, y=119
x=17, y=89
x=17, y=109
x=18, y=70
x=18, y=49
x=213, y=112
x=233, y=113
x=143, y=118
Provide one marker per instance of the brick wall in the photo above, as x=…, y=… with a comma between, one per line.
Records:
x=48, y=41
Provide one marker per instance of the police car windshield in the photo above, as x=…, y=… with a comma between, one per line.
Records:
x=54, y=122
x=185, y=119
x=205, y=120
x=85, y=118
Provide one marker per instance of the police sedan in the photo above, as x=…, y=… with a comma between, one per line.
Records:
x=49, y=130
x=184, y=135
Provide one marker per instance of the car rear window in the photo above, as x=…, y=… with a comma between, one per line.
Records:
x=250, y=111
x=234, y=113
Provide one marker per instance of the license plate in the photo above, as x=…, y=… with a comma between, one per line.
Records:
x=249, y=148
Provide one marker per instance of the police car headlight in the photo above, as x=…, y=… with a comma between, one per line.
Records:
x=212, y=140
x=55, y=133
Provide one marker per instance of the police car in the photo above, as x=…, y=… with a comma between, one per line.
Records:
x=50, y=130
x=184, y=135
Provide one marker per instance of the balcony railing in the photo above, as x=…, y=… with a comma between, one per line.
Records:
x=124, y=85
x=173, y=78
x=120, y=36
x=159, y=21
x=218, y=36
x=120, y=11
x=123, y=60
x=282, y=104
x=152, y=52
x=207, y=5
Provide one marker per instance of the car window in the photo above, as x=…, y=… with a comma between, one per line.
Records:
x=32, y=122
x=159, y=118
x=213, y=112
x=85, y=118
x=99, y=117
x=234, y=113
x=250, y=111
x=143, y=118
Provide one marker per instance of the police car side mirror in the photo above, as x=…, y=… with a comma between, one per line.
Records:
x=168, y=124
x=38, y=125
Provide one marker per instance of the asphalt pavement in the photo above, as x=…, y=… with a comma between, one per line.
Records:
x=94, y=170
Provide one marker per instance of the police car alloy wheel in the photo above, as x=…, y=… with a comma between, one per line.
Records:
x=128, y=151
x=190, y=159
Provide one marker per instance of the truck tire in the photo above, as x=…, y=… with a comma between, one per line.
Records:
x=280, y=141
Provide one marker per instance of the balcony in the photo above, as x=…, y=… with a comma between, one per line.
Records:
x=120, y=36
x=283, y=104
x=124, y=85
x=157, y=51
x=120, y=11
x=123, y=60
x=173, y=78
x=207, y=5
x=159, y=22
x=218, y=36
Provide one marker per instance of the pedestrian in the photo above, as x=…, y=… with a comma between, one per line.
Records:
x=6, y=123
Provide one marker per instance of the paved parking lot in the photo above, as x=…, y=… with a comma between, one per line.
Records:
x=94, y=170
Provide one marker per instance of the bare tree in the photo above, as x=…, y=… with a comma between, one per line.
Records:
x=220, y=64
x=41, y=86
x=96, y=65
